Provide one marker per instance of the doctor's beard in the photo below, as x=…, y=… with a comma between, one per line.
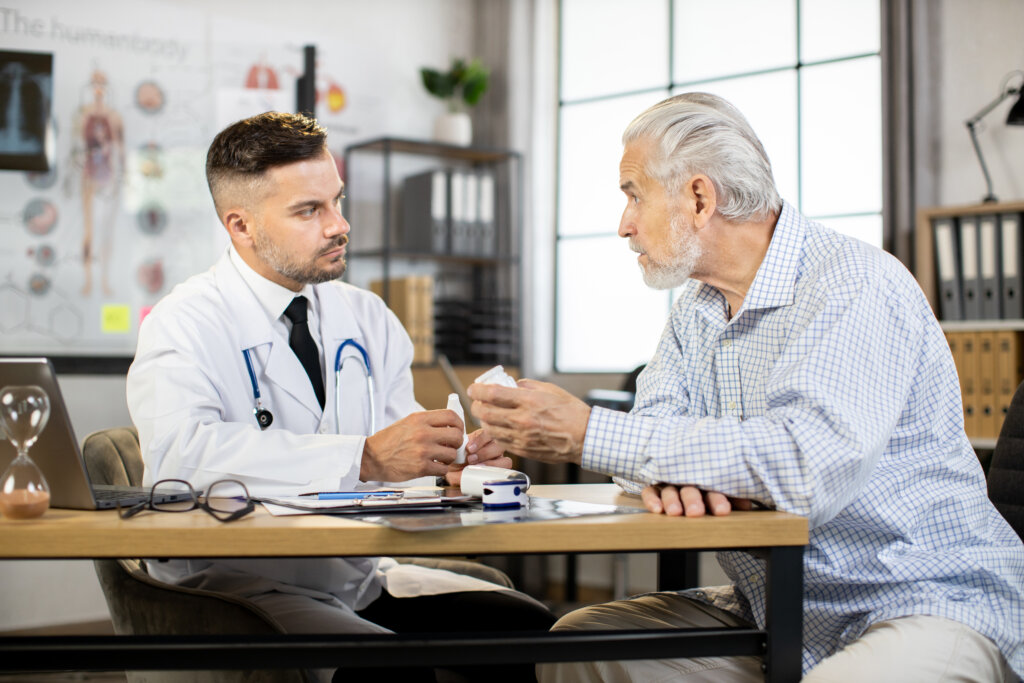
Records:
x=307, y=273
x=683, y=259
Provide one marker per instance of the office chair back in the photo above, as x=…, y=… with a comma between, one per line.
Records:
x=1006, y=471
x=141, y=605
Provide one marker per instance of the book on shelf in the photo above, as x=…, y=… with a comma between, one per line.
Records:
x=979, y=271
x=450, y=211
x=947, y=261
x=411, y=299
x=426, y=212
x=482, y=331
x=1010, y=244
x=970, y=273
x=989, y=273
x=1009, y=370
x=990, y=365
x=988, y=422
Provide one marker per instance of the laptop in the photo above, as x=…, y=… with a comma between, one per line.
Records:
x=57, y=453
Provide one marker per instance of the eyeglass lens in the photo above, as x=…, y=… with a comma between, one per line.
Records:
x=227, y=499
x=173, y=495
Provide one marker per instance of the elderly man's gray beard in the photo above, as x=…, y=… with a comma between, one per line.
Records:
x=685, y=256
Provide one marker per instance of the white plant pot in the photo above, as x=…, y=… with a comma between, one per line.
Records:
x=454, y=128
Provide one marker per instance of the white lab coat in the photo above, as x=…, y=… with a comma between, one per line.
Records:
x=191, y=398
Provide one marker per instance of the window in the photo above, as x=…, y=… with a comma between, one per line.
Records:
x=806, y=74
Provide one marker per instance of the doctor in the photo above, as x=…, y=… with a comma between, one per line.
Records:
x=234, y=378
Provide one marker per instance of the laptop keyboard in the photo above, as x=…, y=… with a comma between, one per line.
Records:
x=124, y=493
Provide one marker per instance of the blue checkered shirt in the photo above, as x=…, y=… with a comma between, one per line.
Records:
x=830, y=394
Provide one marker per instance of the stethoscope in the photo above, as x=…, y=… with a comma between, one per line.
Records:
x=264, y=418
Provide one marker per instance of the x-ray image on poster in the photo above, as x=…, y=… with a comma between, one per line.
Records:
x=26, y=94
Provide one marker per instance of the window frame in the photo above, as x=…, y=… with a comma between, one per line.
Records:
x=674, y=86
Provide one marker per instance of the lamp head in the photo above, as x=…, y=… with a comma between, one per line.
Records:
x=1016, y=115
x=1014, y=118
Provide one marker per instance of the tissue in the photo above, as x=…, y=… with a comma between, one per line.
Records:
x=497, y=375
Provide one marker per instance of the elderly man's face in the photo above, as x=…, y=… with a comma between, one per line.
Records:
x=654, y=222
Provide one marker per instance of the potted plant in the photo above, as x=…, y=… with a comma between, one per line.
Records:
x=460, y=87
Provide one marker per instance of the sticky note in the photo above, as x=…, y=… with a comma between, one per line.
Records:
x=116, y=319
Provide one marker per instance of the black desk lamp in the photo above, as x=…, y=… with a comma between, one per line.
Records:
x=1015, y=118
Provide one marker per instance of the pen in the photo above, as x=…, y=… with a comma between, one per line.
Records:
x=349, y=495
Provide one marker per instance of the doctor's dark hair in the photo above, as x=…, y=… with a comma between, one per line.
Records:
x=246, y=149
x=701, y=133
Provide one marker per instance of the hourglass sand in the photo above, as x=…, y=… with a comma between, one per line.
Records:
x=24, y=493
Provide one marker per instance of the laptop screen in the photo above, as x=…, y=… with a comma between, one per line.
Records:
x=56, y=452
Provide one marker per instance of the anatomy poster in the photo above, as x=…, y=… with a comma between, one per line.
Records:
x=124, y=214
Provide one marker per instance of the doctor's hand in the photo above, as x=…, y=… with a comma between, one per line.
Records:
x=417, y=445
x=675, y=501
x=481, y=449
x=536, y=420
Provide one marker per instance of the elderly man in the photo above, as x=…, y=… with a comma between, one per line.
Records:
x=803, y=370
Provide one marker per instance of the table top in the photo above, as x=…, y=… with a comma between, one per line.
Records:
x=94, y=534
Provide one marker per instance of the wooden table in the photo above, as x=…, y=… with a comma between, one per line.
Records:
x=68, y=534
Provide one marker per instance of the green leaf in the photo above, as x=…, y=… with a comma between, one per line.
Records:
x=466, y=79
x=474, y=87
x=458, y=71
x=438, y=84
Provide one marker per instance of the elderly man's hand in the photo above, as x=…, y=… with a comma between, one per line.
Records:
x=689, y=500
x=535, y=420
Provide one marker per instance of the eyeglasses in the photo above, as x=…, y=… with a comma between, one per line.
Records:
x=226, y=500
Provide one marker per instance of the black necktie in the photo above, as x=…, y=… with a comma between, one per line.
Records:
x=303, y=345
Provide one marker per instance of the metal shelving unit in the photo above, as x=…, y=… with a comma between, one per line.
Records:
x=477, y=298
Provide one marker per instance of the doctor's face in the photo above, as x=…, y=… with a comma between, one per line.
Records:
x=655, y=223
x=298, y=233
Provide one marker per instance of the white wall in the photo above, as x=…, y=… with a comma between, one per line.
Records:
x=382, y=44
x=979, y=45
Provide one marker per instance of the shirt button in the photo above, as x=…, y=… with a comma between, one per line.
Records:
x=323, y=429
x=732, y=405
x=726, y=343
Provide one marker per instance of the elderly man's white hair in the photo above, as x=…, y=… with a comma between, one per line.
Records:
x=702, y=133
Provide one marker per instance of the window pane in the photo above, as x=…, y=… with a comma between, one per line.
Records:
x=841, y=116
x=608, y=319
x=609, y=47
x=769, y=103
x=838, y=28
x=589, y=200
x=865, y=228
x=726, y=37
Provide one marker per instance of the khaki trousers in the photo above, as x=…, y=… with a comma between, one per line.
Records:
x=906, y=650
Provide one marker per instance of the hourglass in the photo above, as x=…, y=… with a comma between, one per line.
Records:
x=24, y=492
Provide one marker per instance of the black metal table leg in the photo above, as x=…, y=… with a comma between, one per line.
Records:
x=784, y=586
x=678, y=569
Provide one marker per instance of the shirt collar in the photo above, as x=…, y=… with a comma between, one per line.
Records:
x=273, y=297
x=774, y=283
